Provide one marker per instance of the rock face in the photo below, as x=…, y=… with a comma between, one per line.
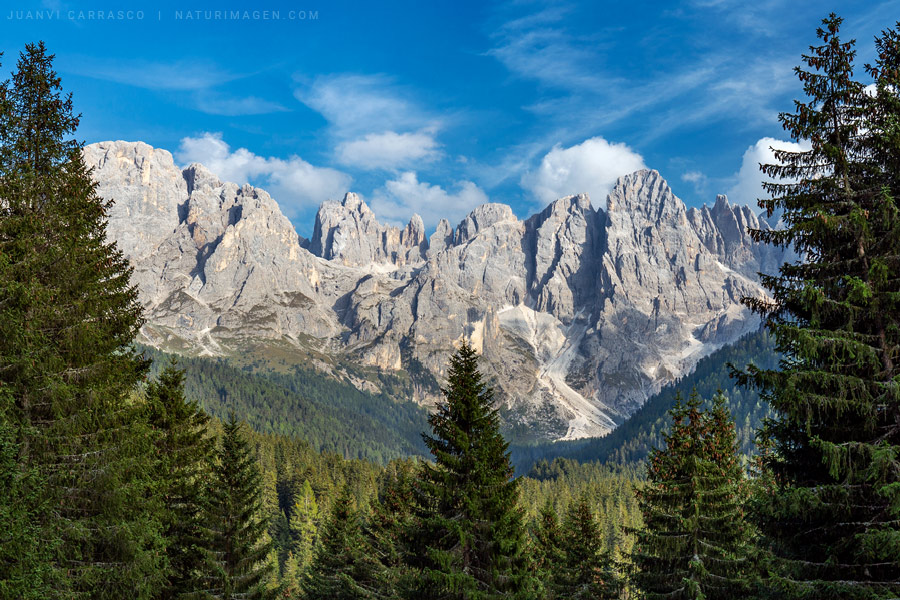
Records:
x=347, y=232
x=579, y=314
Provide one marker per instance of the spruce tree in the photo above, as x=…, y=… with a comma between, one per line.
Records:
x=237, y=544
x=183, y=450
x=470, y=537
x=304, y=525
x=547, y=549
x=25, y=547
x=391, y=524
x=68, y=317
x=834, y=521
x=343, y=568
x=694, y=543
x=586, y=571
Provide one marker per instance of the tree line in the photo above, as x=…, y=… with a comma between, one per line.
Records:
x=117, y=485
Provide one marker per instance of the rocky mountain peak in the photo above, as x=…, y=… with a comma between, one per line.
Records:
x=645, y=193
x=481, y=218
x=578, y=314
x=348, y=231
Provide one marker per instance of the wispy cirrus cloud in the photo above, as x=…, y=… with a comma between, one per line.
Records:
x=184, y=75
x=581, y=91
x=200, y=83
x=372, y=120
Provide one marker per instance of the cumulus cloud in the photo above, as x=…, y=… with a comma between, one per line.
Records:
x=405, y=195
x=591, y=166
x=294, y=183
x=388, y=150
x=747, y=188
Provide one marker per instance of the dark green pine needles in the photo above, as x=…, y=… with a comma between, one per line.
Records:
x=183, y=452
x=834, y=521
x=68, y=317
x=470, y=537
x=237, y=545
x=695, y=538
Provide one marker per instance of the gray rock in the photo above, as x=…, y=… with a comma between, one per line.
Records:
x=579, y=314
x=349, y=233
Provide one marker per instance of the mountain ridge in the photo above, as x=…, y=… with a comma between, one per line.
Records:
x=579, y=313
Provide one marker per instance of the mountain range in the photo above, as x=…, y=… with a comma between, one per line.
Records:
x=579, y=314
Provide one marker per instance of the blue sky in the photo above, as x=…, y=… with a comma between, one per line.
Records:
x=434, y=107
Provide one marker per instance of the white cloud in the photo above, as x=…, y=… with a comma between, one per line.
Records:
x=218, y=104
x=388, y=150
x=405, y=195
x=590, y=167
x=352, y=103
x=294, y=183
x=693, y=177
x=187, y=75
x=748, y=180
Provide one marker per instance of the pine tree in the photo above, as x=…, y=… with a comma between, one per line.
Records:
x=68, y=317
x=236, y=561
x=694, y=543
x=343, y=568
x=470, y=537
x=834, y=520
x=304, y=525
x=586, y=571
x=183, y=451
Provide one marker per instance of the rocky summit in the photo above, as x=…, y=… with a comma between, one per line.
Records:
x=579, y=314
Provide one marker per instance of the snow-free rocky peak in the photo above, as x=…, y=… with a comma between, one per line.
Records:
x=579, y=314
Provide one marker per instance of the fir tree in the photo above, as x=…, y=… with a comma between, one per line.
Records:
x=834, y=521
x=236, y=562
x=183, y=450
x=343, y=568
x=68, y=317
x=694, y=543
x=470, y=539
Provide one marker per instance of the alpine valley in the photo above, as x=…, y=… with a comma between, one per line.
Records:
x=579, y=314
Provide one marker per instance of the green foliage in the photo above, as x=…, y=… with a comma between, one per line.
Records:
x=470, y=530
x=570, y=558
x=236, y=554
x=631, y=441
x=832, y=520
x=183, y=452
x=343, y=568
x=694, y=544
x=25, y=550
x=304, y=525
x=308, y=405
x=68, y=315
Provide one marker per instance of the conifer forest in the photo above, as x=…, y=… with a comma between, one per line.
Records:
x=771, y=471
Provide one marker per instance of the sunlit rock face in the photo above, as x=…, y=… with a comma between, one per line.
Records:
x=579, y=314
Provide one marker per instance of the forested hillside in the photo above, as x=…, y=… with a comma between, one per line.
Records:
x=630, y=443
x=331, y=415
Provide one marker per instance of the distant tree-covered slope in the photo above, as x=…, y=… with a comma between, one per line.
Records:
x=330, y=414
x=632, y=440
